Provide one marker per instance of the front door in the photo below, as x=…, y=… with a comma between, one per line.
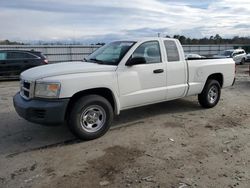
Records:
x=15, y=61
x=144, y=83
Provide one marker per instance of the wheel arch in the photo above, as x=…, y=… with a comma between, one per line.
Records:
x=216, y=76
x=101, y=91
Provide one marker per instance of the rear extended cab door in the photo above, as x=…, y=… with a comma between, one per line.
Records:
x=176, y=67
x=15, y=62
x=19, y=61
x=142, y=84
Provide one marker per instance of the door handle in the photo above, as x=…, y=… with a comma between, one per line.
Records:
x=157, y=71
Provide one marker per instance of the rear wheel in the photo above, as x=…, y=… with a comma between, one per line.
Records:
x=210, y=95
x=90, y=117
x=243, y=61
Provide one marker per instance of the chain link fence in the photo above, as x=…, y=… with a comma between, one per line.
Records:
x=62, y=53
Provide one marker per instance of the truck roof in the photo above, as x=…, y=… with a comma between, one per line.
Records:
x=146, y=39
x=235, y=50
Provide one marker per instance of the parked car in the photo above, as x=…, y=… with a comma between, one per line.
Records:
x=238, y=55
x=13, y=62
x=248, y=58
x=118, y=76
x=193, y=56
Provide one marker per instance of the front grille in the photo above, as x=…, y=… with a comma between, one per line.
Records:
x=26, y=89
x=26, y=85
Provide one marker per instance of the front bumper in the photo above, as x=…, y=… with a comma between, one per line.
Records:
x=40, y=111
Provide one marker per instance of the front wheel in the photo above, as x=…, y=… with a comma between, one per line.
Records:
x=90, y=117
x=210, y=95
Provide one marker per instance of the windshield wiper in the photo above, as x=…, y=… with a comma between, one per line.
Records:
x=97, y=60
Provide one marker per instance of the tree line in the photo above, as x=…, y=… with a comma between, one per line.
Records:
x=7, y=42
x=217, y=39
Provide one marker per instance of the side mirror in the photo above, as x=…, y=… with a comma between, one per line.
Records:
x=136, y=61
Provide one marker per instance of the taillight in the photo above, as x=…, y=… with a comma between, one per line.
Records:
x=45, y=61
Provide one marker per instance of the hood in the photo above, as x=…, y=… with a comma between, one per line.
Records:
x=64, y=68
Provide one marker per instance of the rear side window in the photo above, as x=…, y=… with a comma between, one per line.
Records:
x=3, y=56
x=20, y=55
x=150, y=51
x=239, y=52
x=15, y=55
x=172, y=51
x=41, y=55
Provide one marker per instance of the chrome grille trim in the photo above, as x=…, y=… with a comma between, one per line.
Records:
x=24, y=90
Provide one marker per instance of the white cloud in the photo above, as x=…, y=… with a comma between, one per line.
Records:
x=75, y=19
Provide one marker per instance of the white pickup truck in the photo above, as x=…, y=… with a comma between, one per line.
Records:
x=118, y=76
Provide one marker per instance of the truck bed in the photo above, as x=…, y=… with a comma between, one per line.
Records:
x=200, y=69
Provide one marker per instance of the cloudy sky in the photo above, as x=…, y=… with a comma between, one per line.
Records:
x=95, y=20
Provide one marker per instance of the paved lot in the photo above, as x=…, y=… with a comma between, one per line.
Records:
x=172, y=144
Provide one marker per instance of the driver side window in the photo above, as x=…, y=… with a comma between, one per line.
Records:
x=150, y=51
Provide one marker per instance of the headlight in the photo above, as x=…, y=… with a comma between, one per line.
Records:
x=47, y=90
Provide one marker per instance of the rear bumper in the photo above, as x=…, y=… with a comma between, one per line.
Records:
x=47, y=112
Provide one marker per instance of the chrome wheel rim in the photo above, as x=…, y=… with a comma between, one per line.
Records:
x=93, y=118
x=213, y=94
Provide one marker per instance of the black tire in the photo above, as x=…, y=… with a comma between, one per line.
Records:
x=83, y=112
x=211, y=88
x=243, y=61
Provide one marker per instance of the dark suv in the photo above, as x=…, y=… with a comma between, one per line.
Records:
x=13, y=62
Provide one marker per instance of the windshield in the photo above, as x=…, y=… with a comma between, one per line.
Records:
x=110, y=54
x=227, y=53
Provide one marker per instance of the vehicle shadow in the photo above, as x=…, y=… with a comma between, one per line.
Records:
x=170, y=107
x=18, y=135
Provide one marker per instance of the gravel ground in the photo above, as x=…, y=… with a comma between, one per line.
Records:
x=172, y=144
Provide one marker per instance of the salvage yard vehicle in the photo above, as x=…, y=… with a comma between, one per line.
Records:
x=13, y=62
x=248, y=58
x=118, y=76
x=238, y=55
x=194, y=56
